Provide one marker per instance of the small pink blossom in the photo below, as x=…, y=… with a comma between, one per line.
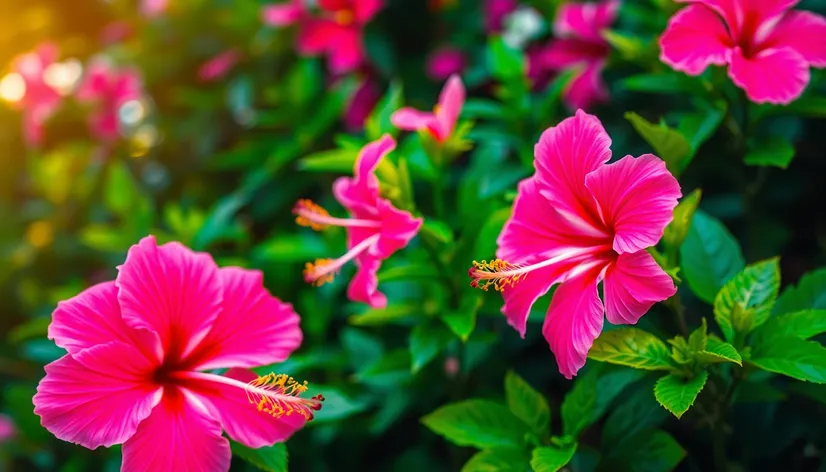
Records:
x=445, y=62
x=335, y=31
x=365, y=98
x=218, y=66
x=139, y=351
x=107, y=89
x=578, y=222
x=375, y=231
x=153, y=8
x=580, y=46
x=40, y=101
x=7, y=429
x=442, y=121
x=768, y=47
x=116, y=32
x=495, y=12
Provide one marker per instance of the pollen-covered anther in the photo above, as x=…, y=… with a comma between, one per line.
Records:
x=280, y=395
x=307, y=214
x=496, y=273
x=314, y=272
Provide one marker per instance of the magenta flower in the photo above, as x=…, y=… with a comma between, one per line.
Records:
x=108, y=89
x=7, y=429
x=495, y=12
x=218, y=66
x=442, y=121
x=578, y=222
x=768, y=47
x=138, y=351
x=375, y=230
x=445, y=62
x=40, y=101
x=581, y=47
x=336, y=32
x=365, y=98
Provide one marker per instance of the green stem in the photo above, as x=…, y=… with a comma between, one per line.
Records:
x=719, y=434
x=676, y=305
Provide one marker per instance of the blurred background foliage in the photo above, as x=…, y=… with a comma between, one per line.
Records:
x=218, y=165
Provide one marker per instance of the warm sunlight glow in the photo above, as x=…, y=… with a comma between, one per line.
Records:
x=63, y=76
x=12, y=87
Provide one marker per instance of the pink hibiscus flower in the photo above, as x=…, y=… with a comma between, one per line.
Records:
x=337, y=30
x=138, y=348
x=768, y=47
x=365, y=98
x=153, y=8
x=578, y=222
x=218, y=66
x=445, y=62
x=374, y=232
x=40, y=101
x=108, y=89
x=442, y=121
x=580, y=46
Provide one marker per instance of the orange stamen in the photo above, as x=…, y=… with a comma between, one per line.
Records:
x=313, y=269
x=497, y=273
x=344, y=17
x=280, y=395
x=305, y=210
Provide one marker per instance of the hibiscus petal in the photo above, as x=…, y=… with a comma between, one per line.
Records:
x=253, y=329
x=398, y=227
x=632, y=285
x=178, y=435
x=364, y=287
x=636, y=198
x=574, y=320
x=585, y=20
x=98, y=396
x=520, y=298
x=776, y=76
x=317, y=36
x=803, y=31
x=347, y=52
x=694, y=39
x=90, y=318
x=564, y=155
x=241, y=420
x=410, y=119
x=451, y=100
x=561, y=54
x=283, y=14
x=172, y=291
x=586, y=88
x=366, y=9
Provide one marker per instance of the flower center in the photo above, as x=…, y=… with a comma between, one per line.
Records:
x=344, y=17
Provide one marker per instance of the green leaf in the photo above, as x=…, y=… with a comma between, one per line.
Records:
x=700, y=126
x=654, y=452
x=709, y=256
x=437, y=230
x=612, y=380
x=676, y=232
x=791, y=356
x=800, y=324
x=477, y=423
x=463, y=321
x=677, y=394
x=551, y=459
x=120, y=192
x=269, y=458
x=680, y=352
x=698, y=339
x=527, y=404
x=772, y=151
x=631, y=347
x=486, y=238
x=635, y=414
x=392, y=314
x=629, y=47
x=810, y=292
x=578, y=405
x=334, y=160
x=426, y=340
x=668, y=143
x=506, y=63
x=717, y=351
x=669, y=83
x=498, y=460
x=378, y=123
x=746, y=301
